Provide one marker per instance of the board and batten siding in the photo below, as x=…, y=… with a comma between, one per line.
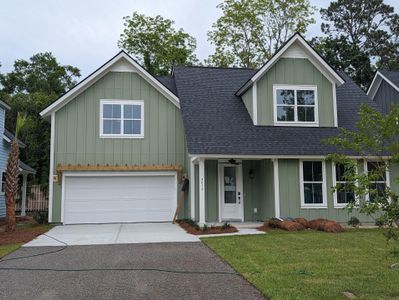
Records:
x=386, y=96
x=77, y=135
x=4, y=150
x=294, y=71
x=290, y=199
x=248, y=101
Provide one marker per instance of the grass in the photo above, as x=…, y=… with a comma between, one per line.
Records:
x=7, y=249
x=314, y=265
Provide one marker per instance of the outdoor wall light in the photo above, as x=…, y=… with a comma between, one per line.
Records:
x=251, y=174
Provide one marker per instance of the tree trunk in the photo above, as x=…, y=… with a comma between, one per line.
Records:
x=11, y=185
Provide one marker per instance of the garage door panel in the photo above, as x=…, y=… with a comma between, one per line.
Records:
x=103, y=199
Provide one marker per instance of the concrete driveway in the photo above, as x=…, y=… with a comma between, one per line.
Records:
x=103, y=234
x=135, y=271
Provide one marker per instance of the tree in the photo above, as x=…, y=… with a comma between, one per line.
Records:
x=12, y=173
x=29, y=88
x=376, y=135
x=367, y=31
x=249, y=31
x=155, y=44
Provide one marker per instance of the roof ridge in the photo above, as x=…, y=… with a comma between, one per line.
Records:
x=213, y=67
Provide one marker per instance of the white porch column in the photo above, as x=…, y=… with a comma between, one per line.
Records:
x=24, y=186
x=201, y=191
x=192, y=189
x=276, y=189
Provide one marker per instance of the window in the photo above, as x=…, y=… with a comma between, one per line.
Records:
x=378, y=181
x=3, y=182
x=122, y=118
x=295, y=105
x=313, y=186
x=344, y=194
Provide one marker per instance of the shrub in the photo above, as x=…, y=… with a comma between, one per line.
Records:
x=205, y=227
x=380, y=222
x=354, y=222
x=302, y=221
x=226, y=225
x=41, y=217
x=291, y=226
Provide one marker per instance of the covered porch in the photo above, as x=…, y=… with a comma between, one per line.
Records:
x=233, y=189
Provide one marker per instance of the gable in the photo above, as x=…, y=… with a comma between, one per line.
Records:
x=289, y=71
x=122, y=62
x=383, y=76
x=295, y=47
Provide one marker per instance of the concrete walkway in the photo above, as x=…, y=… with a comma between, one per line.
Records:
x=103, y=234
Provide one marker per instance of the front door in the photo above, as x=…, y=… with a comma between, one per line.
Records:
x=231, y=198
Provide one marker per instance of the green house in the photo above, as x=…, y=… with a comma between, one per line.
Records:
x=249, y=141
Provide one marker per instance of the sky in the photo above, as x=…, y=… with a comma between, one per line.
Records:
x=84, y=33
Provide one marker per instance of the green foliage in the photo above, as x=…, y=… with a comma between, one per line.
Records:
x=155, y=44
x=205, y=227
x=226, y=225
x=360, y=36
x=29, y=88
x=41, y=217
x=375, y=135
x=354, y=222
x=249, y=31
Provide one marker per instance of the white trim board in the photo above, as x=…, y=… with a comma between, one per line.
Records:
x=323, y=205
x=51, y=169
x=375, y=84
x=107, y=67
x=311, y=54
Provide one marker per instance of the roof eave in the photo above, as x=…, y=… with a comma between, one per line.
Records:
x=93, y=77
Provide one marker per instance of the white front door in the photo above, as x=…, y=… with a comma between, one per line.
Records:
x=231, y=198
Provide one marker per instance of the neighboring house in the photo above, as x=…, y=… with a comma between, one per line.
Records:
x=250, y=141
x=24, y=169
x=384, y=89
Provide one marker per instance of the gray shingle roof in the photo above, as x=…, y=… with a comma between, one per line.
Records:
x=392, y=76
x=217, y=122
x=11, y=137
x=169, y=82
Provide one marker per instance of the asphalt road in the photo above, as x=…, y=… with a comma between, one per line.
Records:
x=151, y=283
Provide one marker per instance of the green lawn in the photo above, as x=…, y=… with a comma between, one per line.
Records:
x=314, y=265
x=6, y=249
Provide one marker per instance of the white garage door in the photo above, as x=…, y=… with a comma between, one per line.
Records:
x=107, y=199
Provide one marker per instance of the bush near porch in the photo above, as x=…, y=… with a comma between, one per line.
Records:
x=314, y=265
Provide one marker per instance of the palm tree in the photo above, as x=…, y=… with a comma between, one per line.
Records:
x=12, y=173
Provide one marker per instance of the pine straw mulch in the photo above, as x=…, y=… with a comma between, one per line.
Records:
x=210, y=230
x=27, y=230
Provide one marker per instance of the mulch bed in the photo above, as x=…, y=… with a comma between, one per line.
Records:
x=20, y=220
x=210, y=230
x=301, y=224
x=21, y=235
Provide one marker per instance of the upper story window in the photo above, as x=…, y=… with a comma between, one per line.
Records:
x=122, y=118
x=295, y=105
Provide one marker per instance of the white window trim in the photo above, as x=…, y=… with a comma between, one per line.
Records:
x=324, y=185
x=336, y=204
x=296, y=122
x=122, y=135
x=387, y=176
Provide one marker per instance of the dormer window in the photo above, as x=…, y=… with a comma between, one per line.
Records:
x=295, y=105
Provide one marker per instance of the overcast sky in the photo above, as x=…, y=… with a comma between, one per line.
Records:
x=84, y=33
